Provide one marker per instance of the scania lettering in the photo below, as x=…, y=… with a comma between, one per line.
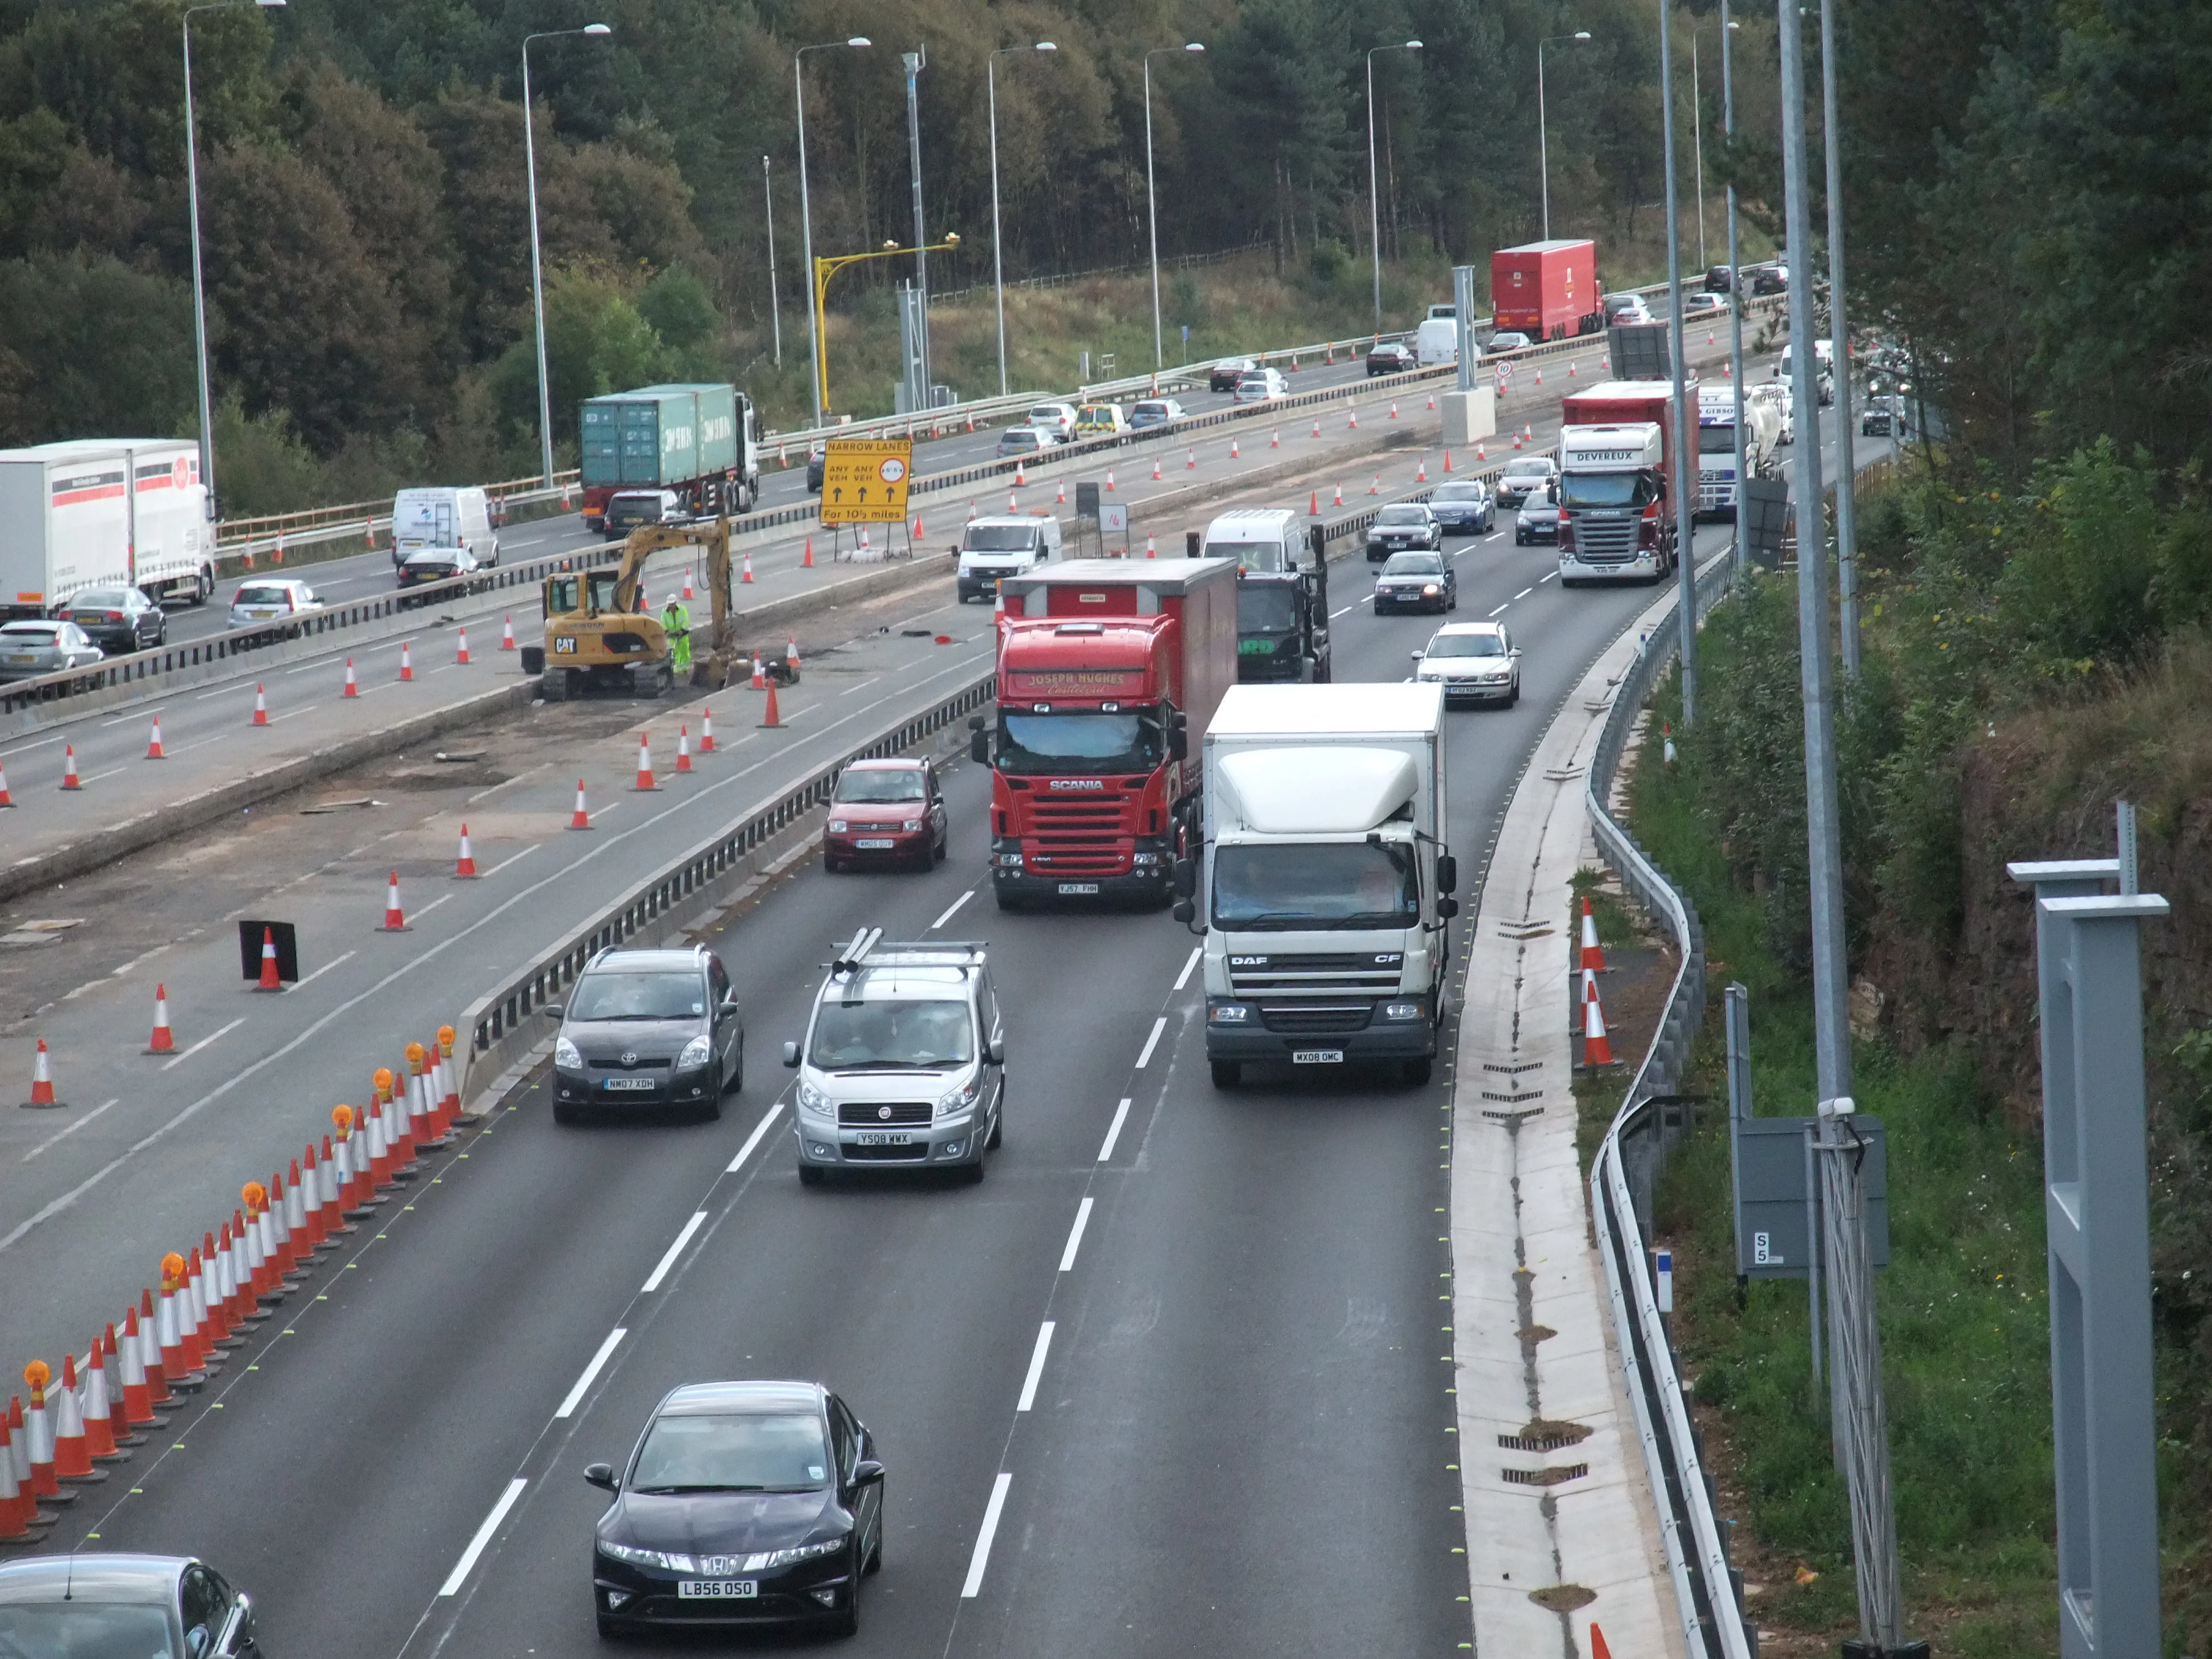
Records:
x=1617, y=518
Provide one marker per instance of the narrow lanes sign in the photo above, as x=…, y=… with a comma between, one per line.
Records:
x=864, y=480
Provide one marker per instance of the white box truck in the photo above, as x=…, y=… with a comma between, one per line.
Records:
x=1326, y=879
x=94, y=512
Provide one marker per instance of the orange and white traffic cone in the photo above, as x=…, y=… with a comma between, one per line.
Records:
x=1517, y=440
x=39, y=1426
x=260, y=705
x=406, y=659
x=1316, y=426
x=309, y=1180
x=770, y=717
x=130, y=1354
x=1479, y=455
x=1421, y=473
x=176, y=1364
x=269, y=980
x=1432, y=400
x=1190, y=461
x=579, y=819
x=760, y=673
x=69, y=767
x=164, y=1041
x=199, y=1329
x=449, y=1099
x=682, y=749
x=1060, y=499
x=1393, y=409
x=507, y=635
x=1598, y=1649
x=395, y=919
x=99, y=1412
x=1156, y=468
x=466, y=869
x=747, y=574
x=1275, y=439
x=807, y=563
x=1351, y=416
x=462, y=659
x=154, y=743
x=1375, y=488
x=1529, y=432
x=1597, y=1050
x=1013, y=505
x=1540, y=375
x=72, y=1446
x=1233, y=454
x=1109, y=477
x=352, y=688
x=791, y=657
x=1021, y=477
x=42, y=1079
x=687, y=583
x=19, y=1508
x=1151, y=552
x=291, y=1220
x=645, y=763
x=150, y=1351
x=706, y=730
x=6, y=799
x=1593, y=959
x=113, y=1362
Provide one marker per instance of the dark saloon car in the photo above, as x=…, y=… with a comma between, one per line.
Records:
x=885, y=812
x=437, y=564
x=119, y=620
x=1417, y=581
x=1464, y=506
x=744, y=1504
x=131, y=1606
x=1390, y=357
x=656, y=1031
x=1400, y=525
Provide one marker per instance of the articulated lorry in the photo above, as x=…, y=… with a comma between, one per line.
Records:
x=698, y=440
x=1546, y=290
x=1106, y=667
x=1762, y=426
x=1618, y=518
x=1326, y=879
x=96, y=512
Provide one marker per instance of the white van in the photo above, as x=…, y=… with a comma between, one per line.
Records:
x=448, y=516
x=1257, y=537
x=1009, y=544
x=1436, y=341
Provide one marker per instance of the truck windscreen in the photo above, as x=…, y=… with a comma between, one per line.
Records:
x=1079, y=741
x=1266, y=607
x=1581, y=489
x=1317, y=884
x=1716, y=440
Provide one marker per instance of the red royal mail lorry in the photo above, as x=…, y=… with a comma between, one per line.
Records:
x=1546, y=290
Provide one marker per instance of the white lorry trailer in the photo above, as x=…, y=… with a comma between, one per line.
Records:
x=1325, y=878
x=100, y=512
x=1716, y=480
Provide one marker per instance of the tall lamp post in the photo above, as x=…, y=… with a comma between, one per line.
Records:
x=1152, y=199
x=537, y=261
x=1736, y=292
x=805, y=215
x=1543, y=137
x=774, y=301
x=1374, y=187
x=998, y=264
x=199, y=289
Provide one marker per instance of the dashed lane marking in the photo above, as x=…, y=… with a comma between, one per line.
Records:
x=982, y=1559
x=1152, y=1041
x=54, y=1140
x=485, y=1533
x=1036, y=1364
x=171, y=1065
x=1189, y=963
x=949, y=910
x=1075, y=1235
x=575, y=1395
x=1114, y=1132
x=668, y=1262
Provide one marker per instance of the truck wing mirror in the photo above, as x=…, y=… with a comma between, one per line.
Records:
x=1179, y=743
x=1185, y=879
x=979, y=746
x=1447, y=909
x=1447, y=873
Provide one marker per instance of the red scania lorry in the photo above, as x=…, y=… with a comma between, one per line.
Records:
x=1109, y=670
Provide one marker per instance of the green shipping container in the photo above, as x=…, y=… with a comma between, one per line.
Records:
x=667, y=435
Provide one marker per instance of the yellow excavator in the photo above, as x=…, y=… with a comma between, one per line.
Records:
x=601, y=633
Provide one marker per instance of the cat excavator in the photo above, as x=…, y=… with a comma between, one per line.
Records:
x=602, y=634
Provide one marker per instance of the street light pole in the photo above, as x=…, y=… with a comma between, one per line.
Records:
x=537, y=261
x=998, y=264
x=1736, y=295
x=1374, y=184
x=1839, y=356
x=774, y=301
x=1543, y=137
x=807, y=218
x=1698, y=142
x=1685, y=495
x=1151, y=197
x=199, y=286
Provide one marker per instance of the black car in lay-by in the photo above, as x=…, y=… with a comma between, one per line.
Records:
x=652, y=1031
x=755, y=1503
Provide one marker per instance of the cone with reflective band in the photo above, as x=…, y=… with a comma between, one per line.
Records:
x=308, y=1176
x=791, y=656
x=398, y=1132
x=164, y=1041
x=260, y=706
x=1338, y=498
x=1478, y=454
x=645, y=763
x=69, y=767
x=1393, y=409
x=153, y=743
x=395, y=919
x=1275, y=439
x=760, y=673
x=352, y=688
x=706, y=730
x=1190, y=461
x=6, y=799
x=507, y=635
x=1316, y=426
x=579, y=819
x=1109, y=478
x=1593, y=959
x=1375, y=488
x=150, y=1351
x=1156, y=468
x=99, y=1412
x=207, y=1317
x=445, y=1081
x=72, y=1449
x=283, y=1260
x=465, y=868
x=42, y=1079
x=747, y=574
x=406, y=659
x=379, y=1151
x=1597, y=1050
x=463, y=659
x=1149, y=551
x=1233, y=454
x=188, y=1340
x=269, y=980
x=19, y=1508
x=19, y=1439
x=38, y=1424
x=687, y=584
x=682, y=749
x=1352, y=414
x=1421, y=473
x=130, y=1361
x=298, y=1243
x=1432, y=400
x=1058, y=499
x=176, y=1364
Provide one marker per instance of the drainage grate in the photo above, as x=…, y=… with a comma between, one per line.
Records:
x=1513, y=1068
x=1544, y=1477
x=1528, y=1094
x=1521, y=1116
x=1545, y=1437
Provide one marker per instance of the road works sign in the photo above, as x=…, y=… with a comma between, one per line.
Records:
x=864, y=480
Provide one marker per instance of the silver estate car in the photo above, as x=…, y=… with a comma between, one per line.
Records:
x=903, y=1064
x=36, y=647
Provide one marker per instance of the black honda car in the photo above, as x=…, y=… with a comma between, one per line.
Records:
x=744, y=1504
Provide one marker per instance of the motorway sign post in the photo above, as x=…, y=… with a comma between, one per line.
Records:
x=866, y=480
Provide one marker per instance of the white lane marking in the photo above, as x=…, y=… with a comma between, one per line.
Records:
x=43, y=742
x=1152, y=1042
x=478, y=1544
x=982, y=1559
x=1037, y=1368
x=599, y=812
x=171, y=1065
x=1348, y=610
x=1524, y=592
x=1114, y=1131
x=324, y=969
x=227, y=690
x=1546, y=577
x=668, y=1262
x=1075, y=1235
x=862, y=686
x=1501, y=607
x=575, y=1395
x=949, y=909
x=293, y=714
x=136, y=715
x=503, y=863
x=753, y=1139
x=94, y=777
x=54, y=1138
x=425, y=910
x=1189, y=963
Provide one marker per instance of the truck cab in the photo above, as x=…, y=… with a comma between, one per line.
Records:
x=1617, y=520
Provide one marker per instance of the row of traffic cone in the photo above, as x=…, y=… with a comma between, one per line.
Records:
x=1597, y=1047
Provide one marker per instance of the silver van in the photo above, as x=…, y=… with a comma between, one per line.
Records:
x=903, y=1064
x=1008, y=544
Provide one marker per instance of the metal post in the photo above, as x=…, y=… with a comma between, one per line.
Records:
x=1463, y=323
x=1839, y=355
x=1698, y=142
x=1543, y=143
x=536, y=275
x=807, y=241
x=914, y=63
x=998, y=262
x=1374, y=198
x=774, y=301
x=1686, y=496
x=1152, y=215
x=199, y=286
x=1813, y=1284
x=2088, y=971
x=1735, y=302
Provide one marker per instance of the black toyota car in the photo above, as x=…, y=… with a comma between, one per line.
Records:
x=654, y=1032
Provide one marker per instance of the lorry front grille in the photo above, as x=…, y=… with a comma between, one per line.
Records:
x=1316, y=1018
x=869, y=1114
x=1356, y=971
x=1087, y=815
x=1605, y=541
x=1715, y=489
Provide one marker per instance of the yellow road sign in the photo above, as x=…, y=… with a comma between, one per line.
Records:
x=864, y=480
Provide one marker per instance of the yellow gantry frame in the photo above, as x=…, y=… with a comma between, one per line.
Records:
x=824, y=268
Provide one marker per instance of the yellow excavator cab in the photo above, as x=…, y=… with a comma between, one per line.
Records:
x=600, y=632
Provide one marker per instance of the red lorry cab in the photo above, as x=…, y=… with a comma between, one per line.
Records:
x=1109, y=670
x=1546, y=290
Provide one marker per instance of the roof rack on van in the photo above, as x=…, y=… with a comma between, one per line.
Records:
x=869, y=948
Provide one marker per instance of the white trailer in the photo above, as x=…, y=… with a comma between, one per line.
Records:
x=1326, y=878
x=96, y=512
x=1762, y=426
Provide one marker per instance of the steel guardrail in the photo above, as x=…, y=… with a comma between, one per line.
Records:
x=1708, y=1592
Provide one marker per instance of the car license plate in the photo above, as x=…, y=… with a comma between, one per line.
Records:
x=878, y=1138
x=26, y=660
x=1076, y=889
x=1316, y=1056
x=638, y=1083
x=693, y=1590
x=873, y=843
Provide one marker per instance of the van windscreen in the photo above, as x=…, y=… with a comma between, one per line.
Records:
x=998, y=538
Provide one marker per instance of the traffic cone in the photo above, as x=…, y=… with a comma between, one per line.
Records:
x=1421, y=473
x=1597, y=1050
x=1726, y=373
x=462, y=660
x=42, y=1079
x=1393, y=409
x=150, y=1351
x=465, y=870
x=1339, y=499
x=1109, y=476
x=919, y=533
x=1593, y=959
x=1598, y=1649
x=153, y=746
x=72, y=1447
x=130, y=1353
x=451, y=1100
x=260, y=706
x=760, y=674
x=747, y=574
x=352, y=690
x=1375, y=488
x=706, y=730
x=1517, y=440
x=295, y=1219
x=1351, y=416
x=1233, y=454
x=406, y=659
x=770, y=717
x=1540, y=375
x=269, y=980
x=807, y=563
x=1156, y=468
x=1013, y=505
x=1021, y=477
x=164, y=1041
x=99, y=1415
x=1448, y=460
x=1316, y=426
x=1313, y=505
x=1275, y=439
x=507, y=635
x=1432, y=400
x=1149, y=551
x=69, y=767
x=19, y=1436
x=1478, y=455
x=6, y=799
x=682, y=749
x=309, y=1181
x=176, y=1366
x=645, y=763
x=687, y=582
x=579, y=819
x=1059, y=499
x=791, y=657
x=18, y=1507
x=395, y=919
x=1530, y=433
x=44, y=1476
x=1190, y=461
